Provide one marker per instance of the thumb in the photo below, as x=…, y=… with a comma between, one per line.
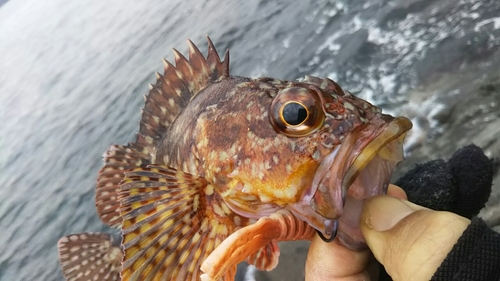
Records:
x=409, y=240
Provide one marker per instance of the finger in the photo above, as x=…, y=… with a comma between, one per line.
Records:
x=331, y=261
x=396, y=191
x=409, y=240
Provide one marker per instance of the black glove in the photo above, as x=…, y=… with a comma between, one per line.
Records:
x=462, y=185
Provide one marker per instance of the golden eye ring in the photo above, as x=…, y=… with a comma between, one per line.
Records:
x=296, y=111
x=291, y=110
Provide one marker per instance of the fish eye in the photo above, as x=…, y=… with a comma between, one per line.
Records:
x=296, y=111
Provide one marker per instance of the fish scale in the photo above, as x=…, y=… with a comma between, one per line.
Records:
x=219, y=174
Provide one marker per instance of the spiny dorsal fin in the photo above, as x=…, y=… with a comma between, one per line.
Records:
x=175, y=88
x=169, y=226
x=171, y=93
x=117, y=160
x=89, y=256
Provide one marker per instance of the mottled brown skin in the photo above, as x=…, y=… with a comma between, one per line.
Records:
x=214, y=153
x=228, y=138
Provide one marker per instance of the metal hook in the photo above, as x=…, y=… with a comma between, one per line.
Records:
x=332, y=237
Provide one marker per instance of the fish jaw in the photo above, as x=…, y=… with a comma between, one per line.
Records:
x=357, y=169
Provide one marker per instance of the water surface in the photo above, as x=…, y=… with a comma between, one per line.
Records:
x=73, y=75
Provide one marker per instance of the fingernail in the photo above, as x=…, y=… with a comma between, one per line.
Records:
x=383, y=212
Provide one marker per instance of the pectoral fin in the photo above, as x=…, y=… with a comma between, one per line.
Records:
x=117, y=160
x=281, y=226
x=169, y=226
x=266, y=258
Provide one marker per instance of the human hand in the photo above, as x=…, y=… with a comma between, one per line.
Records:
x=409, y=240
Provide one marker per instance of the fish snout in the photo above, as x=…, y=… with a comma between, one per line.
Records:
x=359, y=168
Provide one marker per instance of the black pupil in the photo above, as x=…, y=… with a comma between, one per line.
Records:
x=294, y=113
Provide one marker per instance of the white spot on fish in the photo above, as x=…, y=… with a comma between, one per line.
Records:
x=349, y=106
x=267, y=165
x=237, y=220
x=316, y=155
x=264, y=198
x=209, y=190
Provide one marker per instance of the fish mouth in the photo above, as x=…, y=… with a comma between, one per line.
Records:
x=359, y=168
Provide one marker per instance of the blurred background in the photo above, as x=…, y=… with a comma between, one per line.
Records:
x=73, y=75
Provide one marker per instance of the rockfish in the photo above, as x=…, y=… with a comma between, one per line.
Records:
x=224, y=167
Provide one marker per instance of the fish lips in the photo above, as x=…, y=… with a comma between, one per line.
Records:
x=359, y=168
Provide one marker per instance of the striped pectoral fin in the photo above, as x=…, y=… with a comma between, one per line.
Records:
x=244, y=243
x=89, y=256
x=266, y=258
x=168, y=226
x=117, y=160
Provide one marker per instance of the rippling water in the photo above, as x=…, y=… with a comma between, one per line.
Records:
x=72, y=76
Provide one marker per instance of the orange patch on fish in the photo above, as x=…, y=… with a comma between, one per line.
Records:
x=221, y=159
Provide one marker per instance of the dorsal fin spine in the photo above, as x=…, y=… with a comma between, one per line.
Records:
x=225, y=64
x=198, y=62
x=158, y=76
x=185, y=70
x=182, y=65
x=176, y=87
x=172, y=79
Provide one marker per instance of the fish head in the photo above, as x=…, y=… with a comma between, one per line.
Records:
x=358, y=148
x=306, y=146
